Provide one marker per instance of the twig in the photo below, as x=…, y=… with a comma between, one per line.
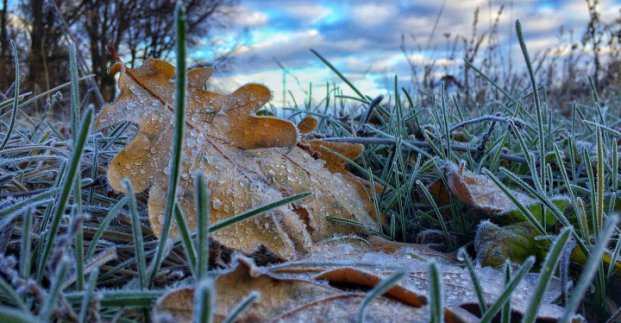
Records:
x=367, y=116
x=481, y=148
x=494, y=118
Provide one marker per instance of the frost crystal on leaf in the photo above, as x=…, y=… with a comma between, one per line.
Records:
x=248, y=160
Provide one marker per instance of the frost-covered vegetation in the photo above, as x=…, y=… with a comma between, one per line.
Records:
x=521, y=177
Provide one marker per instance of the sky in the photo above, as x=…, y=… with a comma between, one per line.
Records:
x=362, y=38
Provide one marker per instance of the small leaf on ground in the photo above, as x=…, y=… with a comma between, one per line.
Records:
x=482, y=193
x=516, y=242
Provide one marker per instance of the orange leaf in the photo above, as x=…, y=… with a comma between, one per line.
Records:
x=479, y=191
x=294, y=291
x=307, y=124
x=349, y=275
x=248, y=161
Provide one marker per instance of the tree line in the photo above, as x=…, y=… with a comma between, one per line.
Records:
x=43, y=29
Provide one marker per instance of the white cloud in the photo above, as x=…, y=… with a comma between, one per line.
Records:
x=308, y=13
x=373, y=14
x=363, y=38
x=246, y=17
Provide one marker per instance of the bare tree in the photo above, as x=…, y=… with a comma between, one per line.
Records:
x=4, y=45
x=141, y=29
x=46, y=49
x=137, y=29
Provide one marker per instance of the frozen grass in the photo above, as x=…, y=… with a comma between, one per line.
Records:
x=57, y=263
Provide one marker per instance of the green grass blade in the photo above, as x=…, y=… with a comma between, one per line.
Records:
x=600, y=180
x=541, y=196
x=593, y=190
x=356, y=166
x=475, y=280
x=136, y=232
x=376, y=205
x=50, y=91
x=545, y=276
x=201, y=196
x=490, y=81
x=437, y=212
x=52, y=298
x=614, y=258
x=79, y=251
x=120, y=298
x=36, y=200
x=593, y=263
x=63, y=197
x=88, y=295
x=506, y=294
x=10, y=294
x=505, y=313
x=527, y=213
x=256, y=211
x=242, y=306
x=25, y=246
x=103, y=226
x=204, y=301
x=77, y=189
x=531, y=75
x=75, y=91
x=379, y=290
x=186, y=239
x=436, y=296
x=604, y=128
x=177, y=141
x=335, y=70
x=13, y=315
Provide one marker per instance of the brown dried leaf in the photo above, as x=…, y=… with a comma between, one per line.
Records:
x=307, y=125
x=283, y=299
x=351, y=275
x=479, y=191
x=247, y=160
x=414, y=250
x=337, y=165
x=458, y=289
x=331, y=282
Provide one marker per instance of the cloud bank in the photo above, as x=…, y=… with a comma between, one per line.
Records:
x=363, y=38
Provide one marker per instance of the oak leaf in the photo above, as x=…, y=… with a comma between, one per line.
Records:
x=247, y=161
x=480, y=192
x=331, y=282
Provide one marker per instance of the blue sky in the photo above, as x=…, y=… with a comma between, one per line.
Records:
x=362, y=38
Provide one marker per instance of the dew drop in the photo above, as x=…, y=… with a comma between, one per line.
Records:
x=216, y=204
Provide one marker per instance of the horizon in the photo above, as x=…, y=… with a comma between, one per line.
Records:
x=271, y=43
x=363, y=39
